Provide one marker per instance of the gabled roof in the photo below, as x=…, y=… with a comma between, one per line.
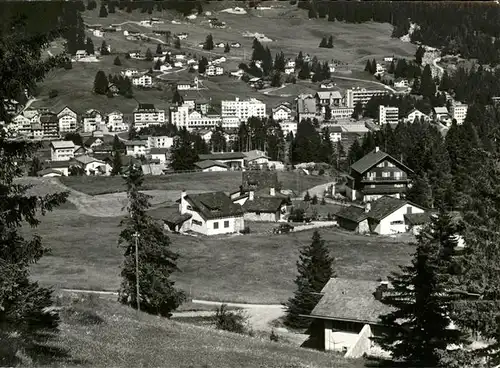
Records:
x=384, y=206
x=205, y=164
x=264, y=204
x=48, y=171
x=136, y=143
x=418, y=218
x=255, y=154
x=92, y=140
x=373, y=158
x=86, y=159
x=49, y=118
x=58, y=164
x=214, y=205
x=176, y=218
x=307, y=105
x=350, y=300
x=323, y=95
x=441, y=110
x=62, y=144
x=353, y=213
x=158, y=151
x=415, y=110
x=222, y=156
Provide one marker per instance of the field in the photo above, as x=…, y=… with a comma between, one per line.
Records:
x=258, y=267
x=124, y=338
x=211, y=181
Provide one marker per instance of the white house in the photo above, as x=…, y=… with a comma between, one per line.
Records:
x=61, y=167
x=136, y=148
x=288, y=127
x=161, y=141
x=165, y=67
x=178, y=64
x=458, y=112
x=68, y=120
x=220, y=45
x=243, y=109
x=256, y=158
x=62, y=150
x=281, y=113
x=80, y=54
x=159, y=154
x=219, y=60
x=235, y=44
x=211, y=213
x=91, y=165
x=129, y=73
x=179, y=115
x=210, y=166
x=441, y=113
x=414, y=113
x=115, y=122
x=98, y=33
x=234, y=160
x=146, y=114
x=290, y=64
x=144, y=80
x=289, y=70
x=385, y=216
x=335, y=133
x=213, y=70
x=92, y=120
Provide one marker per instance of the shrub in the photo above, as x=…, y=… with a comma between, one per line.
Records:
x=273, y=337
x=314, y=199
x=53, y=93
x=232, y=321
x=321, y=172
x=307, y=197
x=246, y=230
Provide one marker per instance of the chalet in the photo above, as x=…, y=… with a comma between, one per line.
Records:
x=92, y=121
x=91, y=165
x=282, y=112
x=349, y=313
x=375, y=175
x=441, y=114
x=413, y=114
x=401, y=83
x=93, y=142
x=211, y=213
x=62, y=150
x=144, y=80
x=60, y=166
x=80, y=54
x=256, y=159
x=136, y=148
x=329, y=98
x=385, y=216
x=264, y=205
x=210, y=165
x=234, y=160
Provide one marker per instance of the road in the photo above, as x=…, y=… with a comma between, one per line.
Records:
x=364, y=81
x=28, y=104
x=434, y=62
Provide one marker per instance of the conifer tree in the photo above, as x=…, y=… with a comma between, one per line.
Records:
x=330, y=42
x=227, y=48
x=100, y=83
x=419, y=54
x=374, y=66
x=158, y=64
x=323, y=43
x=156, y=261
x=104, y=48
x=209, y=43
x=177, y=43
x=304, y=72
x=315, y=268
x=89, y=46
x=149, y=55
x=103, y=12
x=368, y=67
x=159, y=49
x=117, y=163
x=27, y=317
x=416, y=331
x=421, y=192
x=392, y=68
x=177, y=98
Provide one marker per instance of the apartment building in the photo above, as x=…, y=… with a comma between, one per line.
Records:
x=243, y=109
x=179, y=115
x=458, y=112
x=92, y=120
x=62, y=150
x=146, y=115
x=144, y=80
x=196, y=120
x=68, y=120
x=160, y=142
x=363, y=95
x=341, y=113
x=115, y=122
x=388, y=115
x=230, y=122
x=50, y=125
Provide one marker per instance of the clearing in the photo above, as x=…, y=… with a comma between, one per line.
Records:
x=100, y=332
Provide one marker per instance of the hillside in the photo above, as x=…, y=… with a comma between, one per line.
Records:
x=101, y=333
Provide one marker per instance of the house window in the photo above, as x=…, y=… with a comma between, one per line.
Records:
x=196, y=222
x=386, y=174
x=380, y=164
x=390, y=164
x=398, y=185
x=398, y=174
x=372, y=186
x=257, y=212
x=189, y=207
x=408, y=210
x=226, y=224
x=216, y=225
x=399, y=222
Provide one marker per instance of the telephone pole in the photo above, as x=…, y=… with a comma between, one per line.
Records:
x=138, y=295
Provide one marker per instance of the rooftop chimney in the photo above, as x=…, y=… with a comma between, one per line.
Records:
x=272, y=191
x=368, y=207
x=251, y=195
x=377, y=149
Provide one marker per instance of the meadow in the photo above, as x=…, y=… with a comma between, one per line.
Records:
x=101, y=333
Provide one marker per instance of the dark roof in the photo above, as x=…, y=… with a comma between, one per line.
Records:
x=222, y=156
x=58, y=164
x=384, y=206
x=146, y=107
x=48, y=171
x=176, y=218
x=48, y=118
x=418, y=218
x=373, y=158
x=353, y=213
x=92, y=140
x=214, y=205
x=158, y=151
x=350, y=300
x=264, y=204
x=208, y=163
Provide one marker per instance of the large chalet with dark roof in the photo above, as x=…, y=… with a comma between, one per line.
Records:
x=375, y=175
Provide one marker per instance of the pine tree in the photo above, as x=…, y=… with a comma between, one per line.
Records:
x=315, y=269
x=149, y=55
x=111, y=7
x=276, y=79
x=27, y=317
x=177, y=98
x=419, y=54
x=373, y=66
x=159, y=49
x=117, y=163
x=358, y=111
x=368, y=67
x=89, y=46
x=392, y=68
x=427, y=85
x=103, y=12
x=202, y=65
x=100, y=83
x=227, y=48
x=330, y=42
x=158, y=64
x=209, y=43
x=177, y=43
x=104, y=48
x=323, y=43
x=307, y=197
x=417, y=330
x=156, y=261
x=117, y=61
x=421, y=192
x=305, y=72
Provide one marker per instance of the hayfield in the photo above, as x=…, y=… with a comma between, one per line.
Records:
x=201, y=181
x=259, y=267
x=101, y=333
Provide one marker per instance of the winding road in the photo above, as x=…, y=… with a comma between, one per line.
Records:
x=434, y=62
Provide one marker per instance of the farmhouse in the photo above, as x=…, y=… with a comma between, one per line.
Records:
x=415, y=114
x=211, y=213
x=384, y=216
x=267, y=206
x=62, y=150
x=234, y=160
x=349, y=312
x=144, y=80
x=210, y=165
x=256, y=159
x=375, y=175
x=282, y=112
x=91, y=165
x=136, y=148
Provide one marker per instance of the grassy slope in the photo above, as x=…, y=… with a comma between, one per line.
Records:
x=210, y=181
x=252, y=268
x=126, y=339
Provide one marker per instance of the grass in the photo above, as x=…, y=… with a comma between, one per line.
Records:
x=128, y=339
x=209, y=181
x=258, y=268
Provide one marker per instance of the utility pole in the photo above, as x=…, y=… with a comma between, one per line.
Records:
x=138, y=295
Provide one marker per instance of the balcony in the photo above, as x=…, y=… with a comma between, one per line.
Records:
x=380, y=179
